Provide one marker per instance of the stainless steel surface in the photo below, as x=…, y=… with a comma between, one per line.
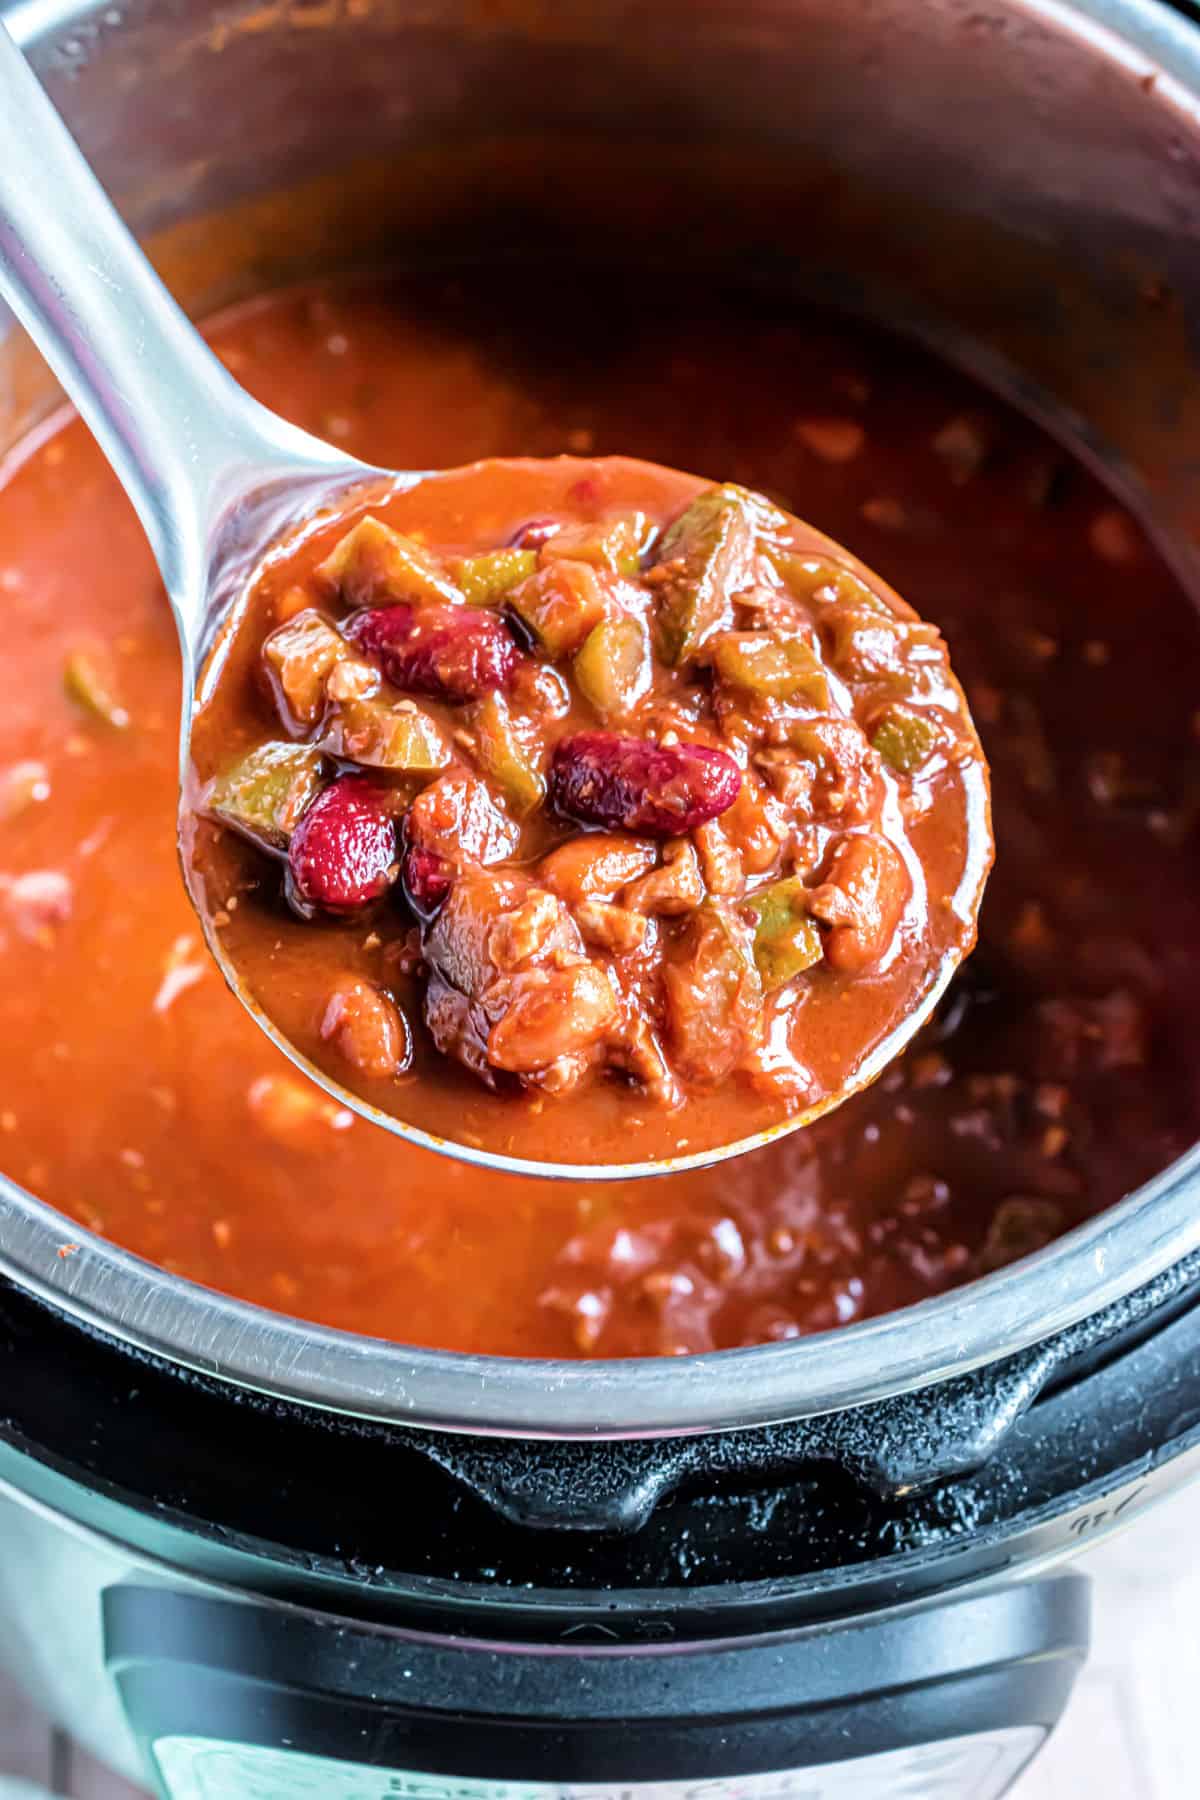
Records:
x=1015, y=183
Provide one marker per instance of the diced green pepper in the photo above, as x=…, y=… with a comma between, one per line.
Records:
x=299, y=656
x=502, y=755
x=709, y=555
x=613, y=669
x=265, y=794
x=616, y=545
x=487, y=578
x=88, y=686
x=779, y=665
x=904, y=739
x=376, y=566
x=817, y=579
x=786, y=940
x=560, y=605
x=380, y=735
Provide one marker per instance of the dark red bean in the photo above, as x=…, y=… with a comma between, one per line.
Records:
x=534, y=533
x=625, y=784
x=451, y=653
x=426, y=876
x=343, y=852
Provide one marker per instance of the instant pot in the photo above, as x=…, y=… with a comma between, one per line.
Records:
x=247, y=1558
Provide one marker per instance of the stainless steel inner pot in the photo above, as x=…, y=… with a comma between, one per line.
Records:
x=1015, y=181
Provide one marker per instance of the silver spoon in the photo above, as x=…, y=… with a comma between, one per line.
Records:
x=214, y=476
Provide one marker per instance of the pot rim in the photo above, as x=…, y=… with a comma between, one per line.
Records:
x=117, y=1293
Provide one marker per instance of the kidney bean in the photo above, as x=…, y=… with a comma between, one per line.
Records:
x=451, y=653
x=343, y=852
x=626, y=783
x=426, y=876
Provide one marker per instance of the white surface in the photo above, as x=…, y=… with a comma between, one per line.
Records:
x=1130, y=1732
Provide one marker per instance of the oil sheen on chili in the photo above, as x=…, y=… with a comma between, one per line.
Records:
x=1058, y=1073
x=584, y=810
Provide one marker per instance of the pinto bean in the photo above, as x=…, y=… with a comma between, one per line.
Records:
x=367, y=1028
x=593, y=868
x=861, y=900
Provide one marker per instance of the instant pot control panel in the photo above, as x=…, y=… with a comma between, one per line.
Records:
x=856, y=1605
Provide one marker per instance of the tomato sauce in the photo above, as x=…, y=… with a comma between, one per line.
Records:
x=763, y=901
x=1059, y=1073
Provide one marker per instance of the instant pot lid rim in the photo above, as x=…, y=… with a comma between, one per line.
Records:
x=1096, y=1265
x=213, y=1334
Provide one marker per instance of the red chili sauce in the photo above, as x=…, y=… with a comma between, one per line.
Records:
x=584, y=810
x=1059, y=1073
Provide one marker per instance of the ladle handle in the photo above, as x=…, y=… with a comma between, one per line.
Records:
x=148, y=386
x=183, y=437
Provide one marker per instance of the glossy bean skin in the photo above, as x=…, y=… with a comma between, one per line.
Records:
x=368, y=1029
x=450, y=653
x=426, y=877
x=627, y=784
x=861, y=900
x=343, y=852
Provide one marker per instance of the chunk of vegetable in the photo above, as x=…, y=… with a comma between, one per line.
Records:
x=905, y=739
x=706, y=556
x=815, y=579
x=617, y=545
x=383, y=736
x=560, y=604
x=299, y=657
x=266, y=793
x=376, y=566
x=714, y=994
x=486, y=579
x=778, y=665
x=786, y=940
x=865, y=645
x=503, y=755
x=613, y=669
x=86, y=683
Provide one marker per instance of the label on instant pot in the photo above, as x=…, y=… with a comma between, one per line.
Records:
x=978, y=1767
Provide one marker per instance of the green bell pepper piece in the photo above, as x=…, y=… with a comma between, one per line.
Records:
x=265, y=793
x=786, y=940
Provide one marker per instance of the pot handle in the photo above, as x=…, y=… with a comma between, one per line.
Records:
x=893, y=1448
